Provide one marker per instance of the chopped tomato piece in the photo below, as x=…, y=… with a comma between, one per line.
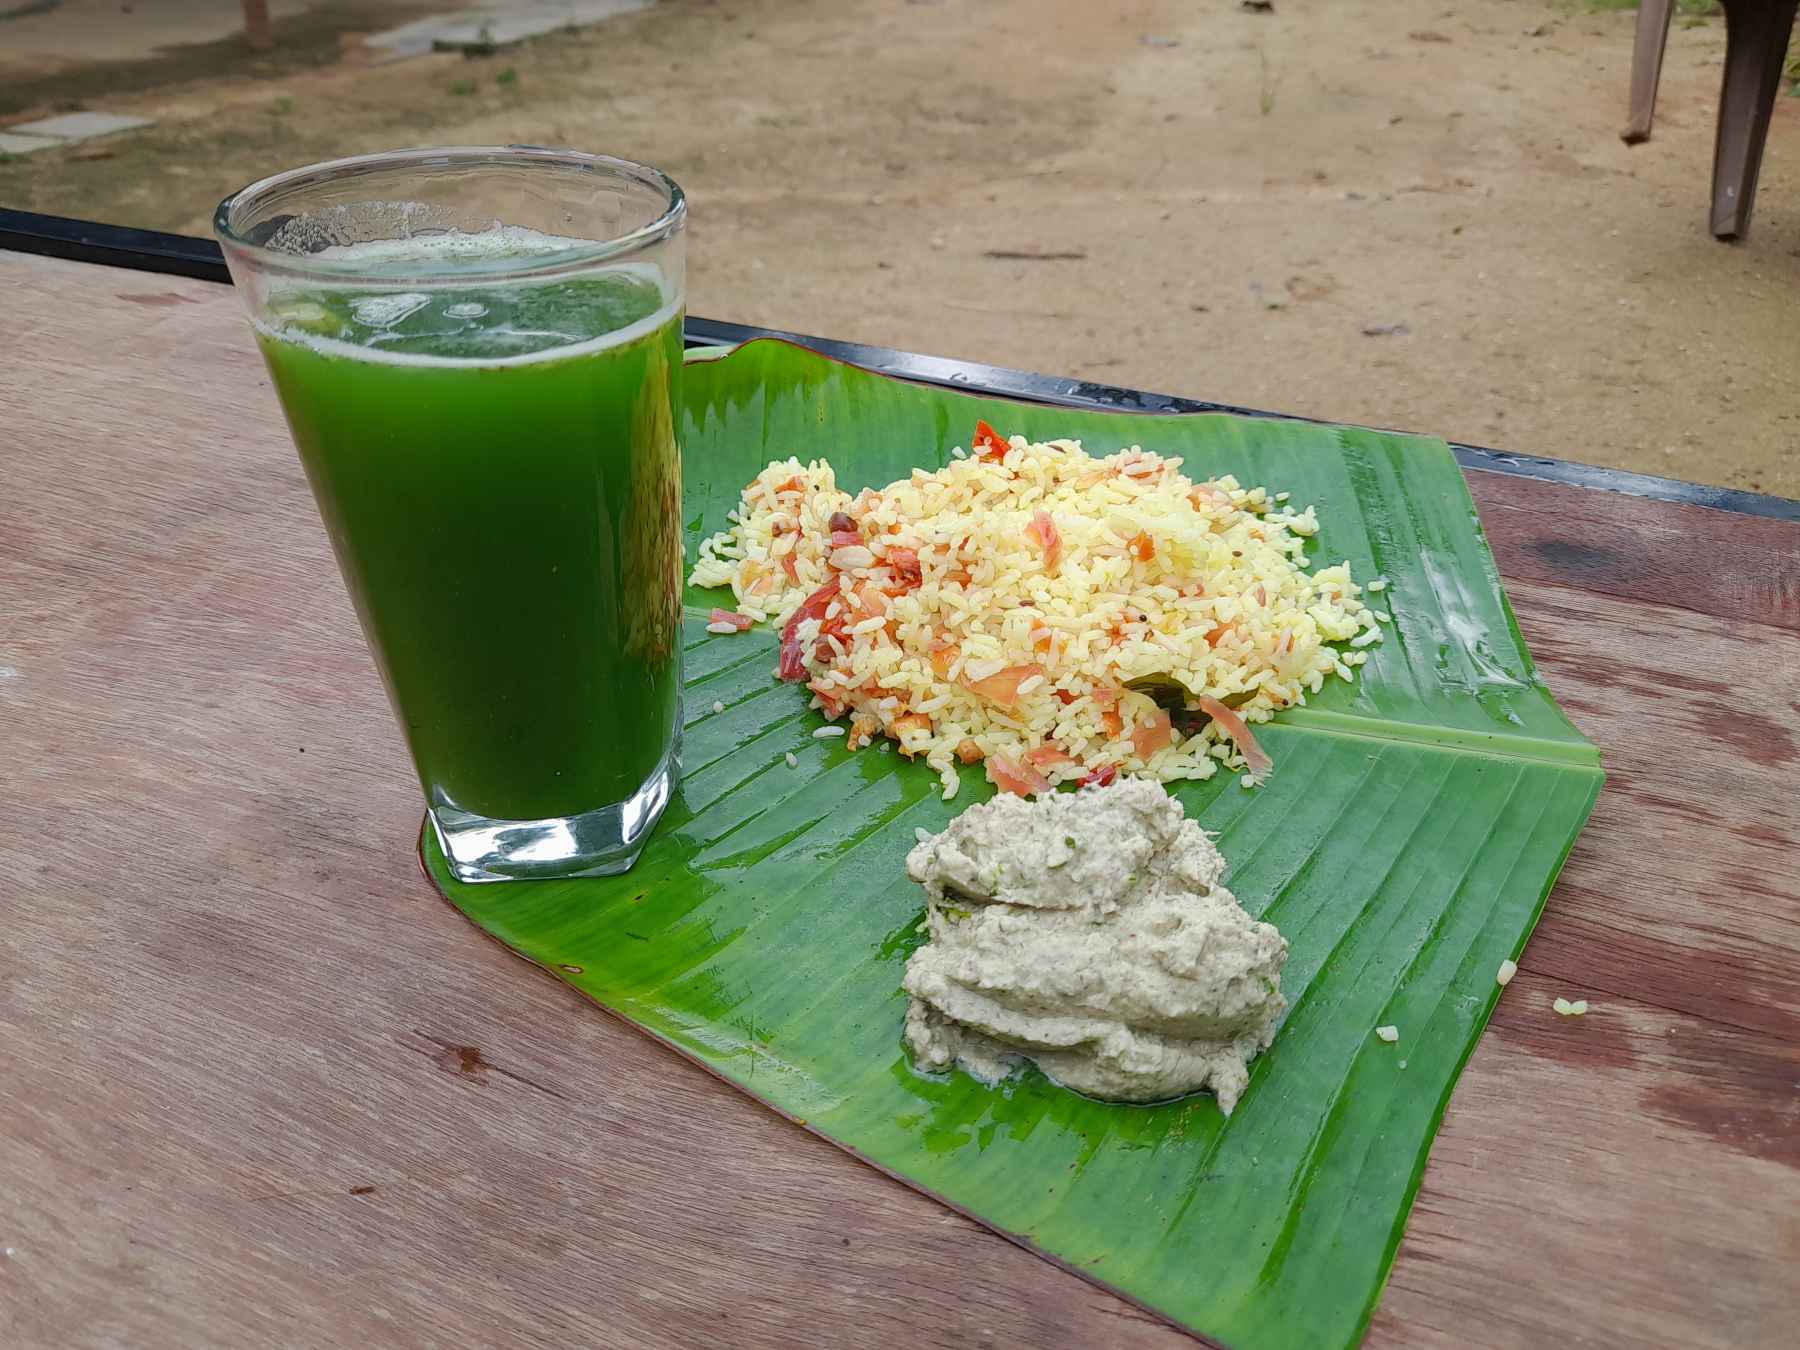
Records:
x=1103, y=776
x=829, y=701
x=1043, y=532
x=1048, y=757
x=1217, y=635
x=1010, y=776
x=943, y=659
x=789, y=566
x=1002, y=687
x=1142, y=547
x=870, y=601
x=907, y=572
x=793, y=662
x=1256, y=759
x=989, y=444
x=909, y=723
x=1152, y=735
x=1064, y=697
x=1107, y=699
x=840, y=521
x=968, y=752
x=732, y=617
x=846, y=539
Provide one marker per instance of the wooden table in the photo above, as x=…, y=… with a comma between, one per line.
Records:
x=261, y=1088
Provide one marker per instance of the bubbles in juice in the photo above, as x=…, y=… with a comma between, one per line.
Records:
x=475, y=320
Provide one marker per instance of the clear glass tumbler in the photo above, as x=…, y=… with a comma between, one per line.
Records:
x=479, y=354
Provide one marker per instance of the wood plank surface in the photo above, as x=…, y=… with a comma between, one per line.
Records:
x=262, y=1088
x=1640, y=549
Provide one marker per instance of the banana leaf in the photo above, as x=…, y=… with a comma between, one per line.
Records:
x=1405, y=844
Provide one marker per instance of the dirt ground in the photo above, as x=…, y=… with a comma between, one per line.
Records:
x=1410, y=213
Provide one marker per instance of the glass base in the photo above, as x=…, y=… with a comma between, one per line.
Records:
x=598, y=843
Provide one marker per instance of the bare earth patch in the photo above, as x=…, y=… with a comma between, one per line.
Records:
x=1403, y=213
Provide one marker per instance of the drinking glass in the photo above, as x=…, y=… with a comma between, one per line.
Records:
x=478, y=350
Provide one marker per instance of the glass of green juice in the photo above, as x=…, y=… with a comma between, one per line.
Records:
x=478, y=350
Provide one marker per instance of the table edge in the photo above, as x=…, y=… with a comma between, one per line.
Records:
x=155, y=251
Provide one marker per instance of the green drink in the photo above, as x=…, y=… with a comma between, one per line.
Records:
x=501, y=483
x=489, y=434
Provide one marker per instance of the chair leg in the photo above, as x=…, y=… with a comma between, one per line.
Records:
x=1646, y=66
x=1756, y=39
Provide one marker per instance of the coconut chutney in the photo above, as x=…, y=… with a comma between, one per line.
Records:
x=1088, y=933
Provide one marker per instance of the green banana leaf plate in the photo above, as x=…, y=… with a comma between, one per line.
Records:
x=1405, y=844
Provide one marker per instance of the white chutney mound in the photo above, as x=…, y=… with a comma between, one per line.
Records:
x=1088, y=933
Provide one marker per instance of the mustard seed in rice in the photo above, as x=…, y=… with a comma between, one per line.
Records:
x=995, y=610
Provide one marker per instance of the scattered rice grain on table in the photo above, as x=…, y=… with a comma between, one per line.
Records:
x=994, y=611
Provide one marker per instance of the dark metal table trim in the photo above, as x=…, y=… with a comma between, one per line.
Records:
x=181, y=255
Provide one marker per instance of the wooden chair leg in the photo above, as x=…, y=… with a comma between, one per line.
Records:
x=1756, y=39
x=1646, y=66
x=256, y=25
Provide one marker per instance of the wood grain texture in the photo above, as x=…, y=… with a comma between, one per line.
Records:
x=1669, y=554
x=263, y=1088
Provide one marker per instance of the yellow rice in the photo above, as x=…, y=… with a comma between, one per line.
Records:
x=1223, y=604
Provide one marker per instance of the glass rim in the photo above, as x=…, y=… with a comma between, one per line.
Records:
x=583, y=254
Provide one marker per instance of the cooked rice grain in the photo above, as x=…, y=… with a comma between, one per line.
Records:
x=997, y=607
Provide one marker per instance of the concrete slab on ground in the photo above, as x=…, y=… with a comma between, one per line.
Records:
x=11, y=144
x=81, y=126
x=496, y=24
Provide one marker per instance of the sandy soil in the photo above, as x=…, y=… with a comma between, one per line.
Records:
x=1227, y=203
